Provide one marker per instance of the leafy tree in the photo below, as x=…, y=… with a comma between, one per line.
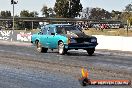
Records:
x=33, y=14
x=86, y=13
x=99, y=14
x=24, y=13
x=75, y=8
x=130, y=21
x=51, y=12
x=127, y=14
x=67, y=8
x=128, y=7
x=26, y=24
x=44, y=11
x=5, y=14
x=47, y=12
x=116, y=15
x=61, y=8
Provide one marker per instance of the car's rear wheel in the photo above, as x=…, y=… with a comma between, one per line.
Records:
x=40, y=48
x=61, y=48
x=90, y=51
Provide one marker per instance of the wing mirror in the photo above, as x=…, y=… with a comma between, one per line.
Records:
x=39, y=33
x=52, y=33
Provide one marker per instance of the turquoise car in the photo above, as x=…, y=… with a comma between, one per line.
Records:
x=63, y=37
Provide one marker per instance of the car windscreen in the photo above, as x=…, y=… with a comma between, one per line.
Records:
x=66, y=29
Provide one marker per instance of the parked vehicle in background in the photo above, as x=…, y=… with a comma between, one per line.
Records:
x=104, y=26
x=63, y=37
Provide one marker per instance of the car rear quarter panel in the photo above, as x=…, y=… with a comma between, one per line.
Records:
x=34, y=38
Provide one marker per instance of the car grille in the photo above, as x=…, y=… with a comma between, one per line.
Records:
x=81, y=40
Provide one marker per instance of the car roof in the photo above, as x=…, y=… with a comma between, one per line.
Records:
x=55, y=25
x=59, y=24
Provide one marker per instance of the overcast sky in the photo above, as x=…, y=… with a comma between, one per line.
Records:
x=36, y=5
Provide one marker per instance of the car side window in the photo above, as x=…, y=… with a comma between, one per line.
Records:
x=51, y=30
x=61, y=30
x=44, y=31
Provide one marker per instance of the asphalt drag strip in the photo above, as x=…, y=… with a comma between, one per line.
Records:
x=21, y=66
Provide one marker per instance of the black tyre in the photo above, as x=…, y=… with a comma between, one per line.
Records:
x=61, y=48
x=40, y=48
x=90, y=51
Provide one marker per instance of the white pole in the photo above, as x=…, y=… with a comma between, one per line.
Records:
x=13, y=15
x=13, y=20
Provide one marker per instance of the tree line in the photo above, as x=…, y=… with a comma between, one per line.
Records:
x=71, y=9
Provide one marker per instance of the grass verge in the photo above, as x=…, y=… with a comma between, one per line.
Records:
x=109, y=32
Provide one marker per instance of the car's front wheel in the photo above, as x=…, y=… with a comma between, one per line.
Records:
x=61, y=48
x=40, y=48
x=90, y=51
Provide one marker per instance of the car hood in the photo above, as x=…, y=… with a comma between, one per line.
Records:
x=77, y=35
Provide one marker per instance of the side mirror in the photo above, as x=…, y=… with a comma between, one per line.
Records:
x=39, y=33
x=52, y=33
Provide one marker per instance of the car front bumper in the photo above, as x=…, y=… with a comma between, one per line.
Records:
x=80, y=45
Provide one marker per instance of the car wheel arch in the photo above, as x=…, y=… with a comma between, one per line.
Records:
x=36, y=41
x=59, y=41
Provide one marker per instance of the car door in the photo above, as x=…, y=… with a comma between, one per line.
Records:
x=43, y=37
x=52, y=38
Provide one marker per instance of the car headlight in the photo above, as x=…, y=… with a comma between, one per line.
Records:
x=93, y=40
x=72, y=40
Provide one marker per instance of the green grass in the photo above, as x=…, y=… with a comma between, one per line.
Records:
x=109, y=32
